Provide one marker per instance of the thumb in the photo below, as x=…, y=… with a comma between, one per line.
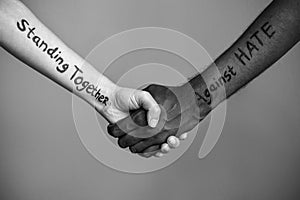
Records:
x=146, y=101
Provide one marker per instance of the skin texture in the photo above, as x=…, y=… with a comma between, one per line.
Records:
x=179, y=114
x=267, y=39
x=28, y=39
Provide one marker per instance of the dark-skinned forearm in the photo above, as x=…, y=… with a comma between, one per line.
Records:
x=268, y=38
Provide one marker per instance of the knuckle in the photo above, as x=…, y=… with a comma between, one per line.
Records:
x=156, y=109
x=134, y=150
x=145, y=94
x=122, y=143
x=111, y=130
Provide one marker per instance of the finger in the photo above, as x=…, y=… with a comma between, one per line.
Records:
x=114, y=130
x=153, y=116
x=154, y=140
x=151, y=151
x=165, y=148
x=145, y=100
x=145, y=155
x=128, y=124
x=128, y=140
x=159, y=154
x=183, y=136
x=173, y=142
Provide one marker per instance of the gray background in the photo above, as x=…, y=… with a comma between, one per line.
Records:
x=257, y=156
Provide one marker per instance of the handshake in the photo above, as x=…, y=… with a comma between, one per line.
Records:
x=151, y=121
x=158, y=118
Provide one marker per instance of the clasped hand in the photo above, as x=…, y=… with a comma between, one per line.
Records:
x=181, y=111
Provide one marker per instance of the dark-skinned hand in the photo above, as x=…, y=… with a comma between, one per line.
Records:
x=181, y=111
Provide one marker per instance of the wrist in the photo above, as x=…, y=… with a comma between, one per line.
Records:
x=102, y=95
x=197, y=92
x=207, y=87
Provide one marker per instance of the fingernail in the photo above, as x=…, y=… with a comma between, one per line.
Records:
x=171, y=140
x=133, y=150
x=159, y=154
x=153, y=123
x=165, y=148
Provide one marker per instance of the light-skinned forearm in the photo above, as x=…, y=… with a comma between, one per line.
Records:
x=28, y=39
